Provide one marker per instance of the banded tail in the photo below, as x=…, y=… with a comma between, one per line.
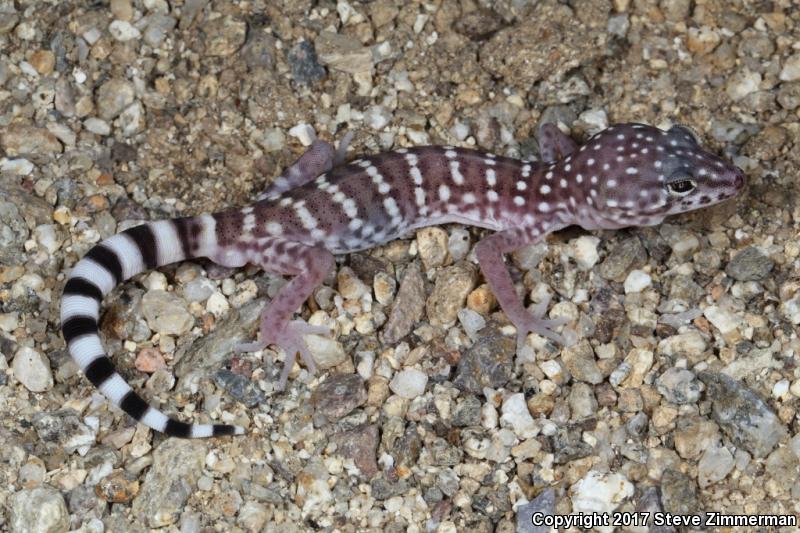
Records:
x=105, y=266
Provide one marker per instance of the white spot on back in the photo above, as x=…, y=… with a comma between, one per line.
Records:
x=274, y=228
x=391, y=207
x=590, y=162
x=458, y=177
x=350, y=208
x=519, y=200
x=492, y=196
x=468, y=198
x=521, y=185
x=563, y=183
x=450, y=154
x=444, y=193
x=491, y=177
x=419, y=196
x=544, y=207
x=544, y=189
x=631, y=170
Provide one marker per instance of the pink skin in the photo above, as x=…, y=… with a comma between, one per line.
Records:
x=621, y=177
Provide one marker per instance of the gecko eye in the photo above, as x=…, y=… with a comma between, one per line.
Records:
x=682, y=186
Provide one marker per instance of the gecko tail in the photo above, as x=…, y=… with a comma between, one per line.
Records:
x=105, y=266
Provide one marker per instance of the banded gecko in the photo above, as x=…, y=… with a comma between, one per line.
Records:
x=625, y=175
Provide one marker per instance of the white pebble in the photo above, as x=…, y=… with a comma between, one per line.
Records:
x=18, y=167
x=596, y=119
x=781, y=389
x=516, y=414
x=303, y=133
x=637, y=281
x=97, y=126
x=217, y=304
x=32, y=369
x=791, y=68
x=600, y=493
x=584, y=250
x=123, y=31
x=409, y=383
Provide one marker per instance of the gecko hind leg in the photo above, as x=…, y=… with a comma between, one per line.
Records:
x=490, y=252
x=309, y=265
x=318, y=159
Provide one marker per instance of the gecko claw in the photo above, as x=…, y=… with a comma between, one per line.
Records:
x=290, y=340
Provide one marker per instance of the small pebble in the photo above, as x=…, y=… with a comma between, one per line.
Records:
x=32, y=369
x=637, y=281
x=409, y=383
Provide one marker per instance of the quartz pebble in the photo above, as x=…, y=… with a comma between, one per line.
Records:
x=637, y=281
x=32, y=369
x=409, y=383
x=515, y=414
x=597, y=492
x=585, y=251
x=40, y=509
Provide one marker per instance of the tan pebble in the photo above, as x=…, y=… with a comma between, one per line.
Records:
x=43, y=61
x=149, y=360
x=106, y=178
x=122, y=9
x=702, y=40
x=118, y=487
x=481, y=300
x=377, y=390
x=11, y=273
x=540, y=404
x=620, y=6
x=432, y=246
x=98, y=202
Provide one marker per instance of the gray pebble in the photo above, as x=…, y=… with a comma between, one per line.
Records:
x=157, y=29
x=39, y=510
x=488, y=363
x=544, y=503
x=679, y=386
x=339, y=395
x=749, y=264
x=177, y=464
x=239, y=387
x=63, y=428
x=467, y=412
x=408, y=307
x=622, y=258
x=113, y=97
x=303, y=63
x=742, y=414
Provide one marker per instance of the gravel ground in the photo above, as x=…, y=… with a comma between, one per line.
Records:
x=680, y=395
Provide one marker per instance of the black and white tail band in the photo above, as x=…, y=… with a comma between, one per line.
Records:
x=104, y=267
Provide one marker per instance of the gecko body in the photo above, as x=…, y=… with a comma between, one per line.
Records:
x=626, y=175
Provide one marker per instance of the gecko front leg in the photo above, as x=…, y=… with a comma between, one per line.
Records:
x=553, y=144
x=490, y=252
x=320, y=157
x=309, y=265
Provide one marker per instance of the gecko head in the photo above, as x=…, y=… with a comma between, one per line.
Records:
x=640, y=174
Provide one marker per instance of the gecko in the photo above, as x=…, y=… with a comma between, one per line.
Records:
x=625, y=175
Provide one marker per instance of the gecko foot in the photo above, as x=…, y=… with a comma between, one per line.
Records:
x=290, y=340
x=534, y=323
